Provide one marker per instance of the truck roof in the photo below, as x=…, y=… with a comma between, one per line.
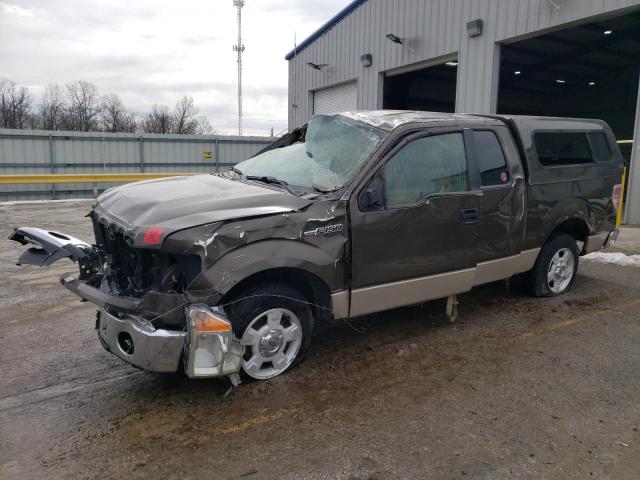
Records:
x=391, y=119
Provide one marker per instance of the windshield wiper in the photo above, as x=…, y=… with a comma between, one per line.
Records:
x=235, y=170
x=272, y=180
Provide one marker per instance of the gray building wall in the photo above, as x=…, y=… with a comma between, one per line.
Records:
x=27, y=152
x=434, y=30
x=632, y=210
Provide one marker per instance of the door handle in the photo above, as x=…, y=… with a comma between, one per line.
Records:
x=469, y=216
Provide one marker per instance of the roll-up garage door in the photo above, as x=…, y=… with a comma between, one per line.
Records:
x=340, y=98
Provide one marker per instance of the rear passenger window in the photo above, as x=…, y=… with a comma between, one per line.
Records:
x=599, y=146
x=491, y=160
x=562, y=148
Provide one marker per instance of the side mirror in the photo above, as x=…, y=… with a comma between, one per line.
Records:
x=372, y=197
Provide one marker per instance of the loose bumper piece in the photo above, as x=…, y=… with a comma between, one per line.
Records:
x=49, y=247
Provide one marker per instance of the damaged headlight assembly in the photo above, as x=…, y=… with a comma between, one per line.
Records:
x=211, y=348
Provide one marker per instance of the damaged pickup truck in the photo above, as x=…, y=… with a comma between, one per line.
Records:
x=226, y=274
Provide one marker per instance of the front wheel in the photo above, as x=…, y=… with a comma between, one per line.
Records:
x=274, y=324
x=555, y=269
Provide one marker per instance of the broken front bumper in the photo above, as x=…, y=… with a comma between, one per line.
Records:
x=206, y=347
x=139, y=343
x=201, y=352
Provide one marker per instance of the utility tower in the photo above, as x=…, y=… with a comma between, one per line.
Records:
x=239, y=48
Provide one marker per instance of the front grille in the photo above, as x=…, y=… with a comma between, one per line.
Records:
x=133, y=271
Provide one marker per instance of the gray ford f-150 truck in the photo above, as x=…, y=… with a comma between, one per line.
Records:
x=226, y=274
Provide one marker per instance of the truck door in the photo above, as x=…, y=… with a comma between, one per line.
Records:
x=413, y=224
x=501, y=219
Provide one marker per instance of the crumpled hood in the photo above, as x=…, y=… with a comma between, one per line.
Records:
x=177, y=203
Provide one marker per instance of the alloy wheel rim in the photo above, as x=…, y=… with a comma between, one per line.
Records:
x=271, y=343
x=560, y=271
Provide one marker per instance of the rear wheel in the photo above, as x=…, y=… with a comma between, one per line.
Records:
x=555, y=269
x=274, y=324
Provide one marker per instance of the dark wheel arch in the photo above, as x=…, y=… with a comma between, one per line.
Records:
x=310, y=286
x=576, y=227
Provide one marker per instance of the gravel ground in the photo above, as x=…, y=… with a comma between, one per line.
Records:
x=516, y=388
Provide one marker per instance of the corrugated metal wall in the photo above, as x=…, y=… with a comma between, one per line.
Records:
x=433, y=30
x=24, y=152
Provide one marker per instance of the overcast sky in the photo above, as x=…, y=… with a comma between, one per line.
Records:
x=156, y=51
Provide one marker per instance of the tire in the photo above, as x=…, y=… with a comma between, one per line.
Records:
x=560, y=254
x=274, y=323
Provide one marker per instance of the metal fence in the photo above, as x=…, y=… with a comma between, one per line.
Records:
x=38, y=152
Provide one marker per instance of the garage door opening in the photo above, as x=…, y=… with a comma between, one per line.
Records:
x=431, y=89
x=587, y=71
x=339, y=98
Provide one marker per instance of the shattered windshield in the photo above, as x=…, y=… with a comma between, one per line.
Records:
x=333, y=151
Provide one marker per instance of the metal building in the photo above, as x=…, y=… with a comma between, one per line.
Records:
x=576, y=58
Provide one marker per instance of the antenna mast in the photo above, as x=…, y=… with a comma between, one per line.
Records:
x=239, y=48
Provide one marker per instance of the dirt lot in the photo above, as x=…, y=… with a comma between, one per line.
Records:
x=517, y=388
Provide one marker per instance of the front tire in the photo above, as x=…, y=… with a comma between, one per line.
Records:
x=555, y=269
x=274, y=324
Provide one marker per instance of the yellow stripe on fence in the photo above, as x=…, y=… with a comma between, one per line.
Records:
x=83, y=178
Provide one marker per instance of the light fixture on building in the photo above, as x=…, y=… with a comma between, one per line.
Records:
x=366, y=60
x=608, y=32
x=561, y=81
x=452, y=64
x=517, y=72
x=394, y=38
x=317, y=66
x=591, y=84
x=474, y=28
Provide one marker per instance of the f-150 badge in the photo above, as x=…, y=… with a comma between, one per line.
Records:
x=327, y=230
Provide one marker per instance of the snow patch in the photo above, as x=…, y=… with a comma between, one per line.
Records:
x=615, y=258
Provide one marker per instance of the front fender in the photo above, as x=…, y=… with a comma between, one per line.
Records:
x=268, y=254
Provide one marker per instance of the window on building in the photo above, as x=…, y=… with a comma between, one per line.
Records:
x=562, y=148
x=491, y=160
x=428, y=165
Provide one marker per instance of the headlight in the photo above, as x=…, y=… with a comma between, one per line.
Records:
x=212, y=349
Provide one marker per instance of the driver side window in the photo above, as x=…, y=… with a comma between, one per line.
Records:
x=434, y=164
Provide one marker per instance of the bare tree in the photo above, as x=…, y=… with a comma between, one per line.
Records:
x=159, y=120
x=183, y=119
x=84, y=105
x=114, y=116
x=78, y=107
x=52, y=108
x=184, y=113
x=15, y=106
x=203, y=126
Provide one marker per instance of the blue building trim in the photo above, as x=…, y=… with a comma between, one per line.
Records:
x=324, y=28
